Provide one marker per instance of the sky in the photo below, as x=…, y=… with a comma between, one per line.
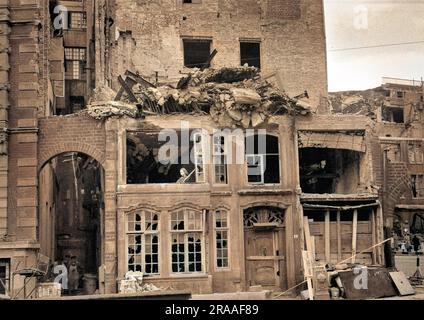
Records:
x=394, y=29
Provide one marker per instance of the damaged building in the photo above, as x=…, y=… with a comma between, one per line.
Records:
x=84, y=109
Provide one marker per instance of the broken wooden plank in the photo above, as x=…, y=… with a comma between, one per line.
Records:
x=354, y=234
x=327, y=237
x=308, y=240
x=127, y=89
x=373, y=237
x=139, y=79
x=402, y=284
x=208, y=62
x=339, y=237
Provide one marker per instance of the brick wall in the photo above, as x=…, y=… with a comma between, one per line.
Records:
x=149, y=35
x=72, y=133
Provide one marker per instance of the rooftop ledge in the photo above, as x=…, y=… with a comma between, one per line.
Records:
x=338, y=197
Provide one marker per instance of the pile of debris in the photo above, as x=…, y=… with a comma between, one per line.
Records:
x=133, y=283
x=234, y=97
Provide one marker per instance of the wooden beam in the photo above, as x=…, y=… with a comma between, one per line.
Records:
x=373, y=236
x=342, y=208
x=127, y=89
x=308, y=240
x=208, y=63
x=354, y=234
x=327, y=237
x=339, y=238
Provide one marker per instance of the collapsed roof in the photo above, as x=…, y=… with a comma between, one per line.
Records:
x=233, y=97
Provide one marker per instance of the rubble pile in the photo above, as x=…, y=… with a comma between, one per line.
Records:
x=234, y=97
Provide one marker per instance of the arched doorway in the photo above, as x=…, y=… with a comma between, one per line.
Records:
x=71, y=210
x=265, y=247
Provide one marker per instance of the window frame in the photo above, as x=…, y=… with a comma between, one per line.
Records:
x=186, y=233
x=82, y=22
x=221, y=229
x=194, y=40
x=143, y=234
x=6, y=263
x=252, y=41
x=263, y=160
x=223, y=157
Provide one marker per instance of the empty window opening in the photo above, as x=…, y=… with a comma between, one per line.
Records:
x=221, y=238
x=250, y=54
x=417, y=183
x=329, y=170
x=192, y=1
x=76, y=103
x=186, y=241
x=263, y=159
x=400, y=94
x=393, y=114
x=184, y=164
x=4, y=276
x=220, y=160
x=196, y=52
x=143, y=242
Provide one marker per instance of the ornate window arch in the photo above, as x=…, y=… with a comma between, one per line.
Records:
x=263, y=214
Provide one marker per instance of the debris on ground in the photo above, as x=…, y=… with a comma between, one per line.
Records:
x=233, y=97
x=133, y=283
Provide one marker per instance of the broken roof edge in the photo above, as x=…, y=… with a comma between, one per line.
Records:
x=310, y=197
x=232, y=97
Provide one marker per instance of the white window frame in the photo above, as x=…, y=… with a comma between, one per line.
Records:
x=6, y=263
x=199, y=160
x=220, y=152
x=220, y=229
x=186, y=234
x=143, y=233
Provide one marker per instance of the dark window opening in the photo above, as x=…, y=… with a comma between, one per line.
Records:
x=76, y=103
x=192, y=1
x=150, y=161
x=196, y=52
x=417, y=186
x=263, y=159
x=250, y=54
x=4, y=276
x=387, y=93
x=393, y=114
x=400, y=94
x=329, y=170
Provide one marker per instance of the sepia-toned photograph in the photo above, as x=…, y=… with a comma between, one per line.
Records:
x=224, y=157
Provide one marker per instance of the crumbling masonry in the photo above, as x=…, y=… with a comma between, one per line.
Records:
x=81, y=109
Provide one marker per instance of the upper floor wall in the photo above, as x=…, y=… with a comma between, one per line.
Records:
x=287, y=36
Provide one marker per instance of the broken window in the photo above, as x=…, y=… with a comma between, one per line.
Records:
x=417, y=182
x=151, y=161
x=4, y=276
x=75, y=59
x=250, y=54
x=393, y=114
x=196, y=52
x=220, y=159
x=77, y=20
x=263, y=159
x=400, y=94
x=328, y=170
x=415, y=153
x=221, y=238
x=143, y=241
x=186, y=241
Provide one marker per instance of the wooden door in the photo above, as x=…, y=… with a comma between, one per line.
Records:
x=265, y=261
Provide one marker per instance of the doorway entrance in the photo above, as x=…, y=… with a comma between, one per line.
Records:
x=265, y=243
x=71, y=219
